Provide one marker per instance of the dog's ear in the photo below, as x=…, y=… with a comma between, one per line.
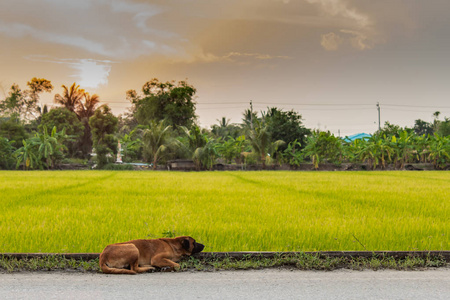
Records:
x=186, y=244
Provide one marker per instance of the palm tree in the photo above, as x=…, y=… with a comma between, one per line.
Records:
x=156, y=138
x=206, y=156
x=260, y=140
x=84, y=111
x=193, y=139
x=71, y=97
x=87, y=109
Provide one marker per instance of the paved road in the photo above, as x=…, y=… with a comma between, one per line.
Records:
x=261, y=284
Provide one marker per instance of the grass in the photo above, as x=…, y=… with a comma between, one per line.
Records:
x=83, y=211
x=300, y=261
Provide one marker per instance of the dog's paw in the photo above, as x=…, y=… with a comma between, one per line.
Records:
x=166, y=269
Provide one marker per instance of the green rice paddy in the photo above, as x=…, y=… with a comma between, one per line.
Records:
x=83, y=211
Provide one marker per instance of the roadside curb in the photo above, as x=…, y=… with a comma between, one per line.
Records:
x=253, y=254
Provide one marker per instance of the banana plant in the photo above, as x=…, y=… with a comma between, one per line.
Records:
x=440, y=151
x=27, y=155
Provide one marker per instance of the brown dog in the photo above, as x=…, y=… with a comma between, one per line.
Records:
x=139, y=256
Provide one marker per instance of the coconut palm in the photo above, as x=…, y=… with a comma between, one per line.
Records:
x=157, y=139
x=84, y=110
x=192, y=139
x=260, y=139
x=71, y=97
x=87, y=108
x=206, y=156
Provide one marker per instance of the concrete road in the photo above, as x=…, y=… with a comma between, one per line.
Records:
x=261, y=284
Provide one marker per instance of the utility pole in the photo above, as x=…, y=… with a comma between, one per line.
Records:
x=251, y=114
x=378, y=107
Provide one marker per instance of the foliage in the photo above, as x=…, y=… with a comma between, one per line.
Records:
x=224, y=129
x=390, y=129
x=71, y=97
x=165, y=101
x=286, y=126
x=192, y=139
x=24, y=104
x=260, y=139
x=157, y=138
x=322, y=146
x=423, y=128
x=205, y=156
x=27, y=155
x=7, y=161
x=440, y=152
x=292, y=154
x=41, y=151
x=132, y=145
x=14, y=131
x=231, y=149
x=443, y=127
x=64, y=119
x=103, y=126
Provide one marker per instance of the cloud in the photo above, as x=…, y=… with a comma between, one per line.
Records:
x=116, y=29
x=341, y=9
x=357, y=28
x=331, y=41
x=89, y=73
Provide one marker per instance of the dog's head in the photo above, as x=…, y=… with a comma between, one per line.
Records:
x=190, y=245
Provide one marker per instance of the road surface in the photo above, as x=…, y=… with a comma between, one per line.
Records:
x=259, y=284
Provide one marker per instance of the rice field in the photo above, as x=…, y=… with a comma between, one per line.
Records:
x=83, y=211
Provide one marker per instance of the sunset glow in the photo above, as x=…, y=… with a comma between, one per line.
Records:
x=330, y=60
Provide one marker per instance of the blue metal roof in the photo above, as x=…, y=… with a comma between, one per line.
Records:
x=357, y=136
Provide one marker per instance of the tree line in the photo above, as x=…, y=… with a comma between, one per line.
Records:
x=161, y=125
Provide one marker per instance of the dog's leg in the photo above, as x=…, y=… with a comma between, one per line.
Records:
x=165, y=264
x=135, y=267
x=149, y=267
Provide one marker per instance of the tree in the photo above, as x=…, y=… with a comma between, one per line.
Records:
x=24, y=104
x=323, y=146
x=132, y=145
x=157, y=138
x=389, y=130
x=439, y=151
x=37, y=86
x=14, y=131
x=249, y=118
x=103, y=126
x=286, y=126
x=7, y=160
x=231, y=148
x=85, y=110
x=63, y=119
x=205, y=157
x=423, y=128
x=443, y=128
x=224, y=129
x=71, y=97
x=260, y=139
x=50, y=146
x=192, y=139
x=165, y=101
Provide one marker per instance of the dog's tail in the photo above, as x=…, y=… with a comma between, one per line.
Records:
x=107, y=270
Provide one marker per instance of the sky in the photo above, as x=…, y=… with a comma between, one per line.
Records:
x=331, y=61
